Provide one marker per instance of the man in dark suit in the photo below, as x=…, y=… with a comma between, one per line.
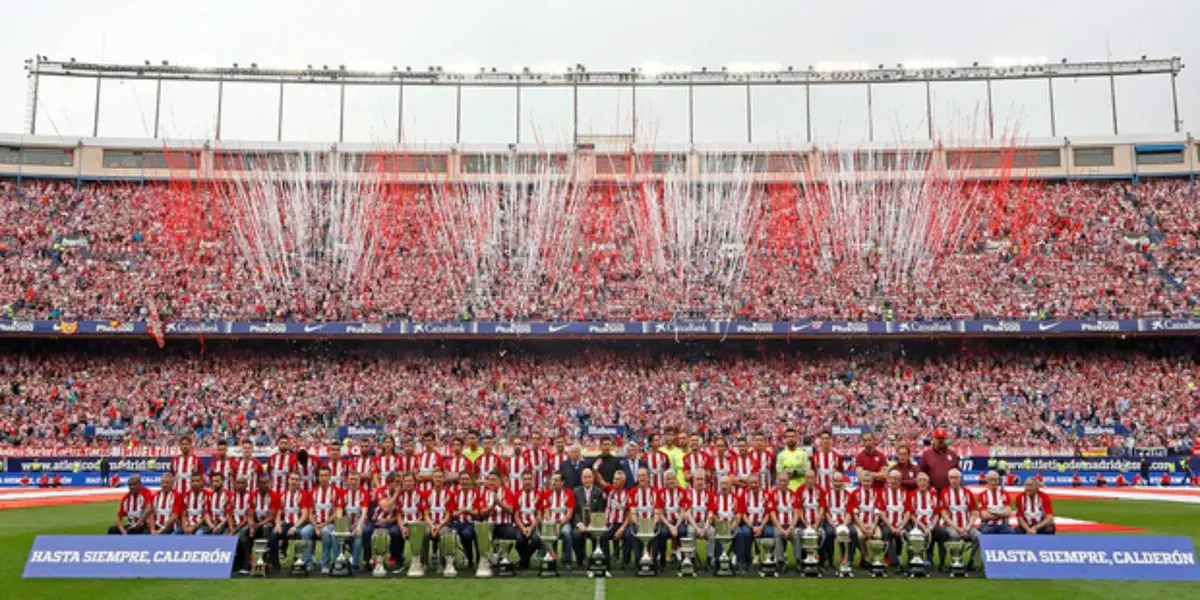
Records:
x=590, y=496
x=571, y=469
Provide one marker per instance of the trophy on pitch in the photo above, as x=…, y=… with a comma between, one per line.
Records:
x=598, y=562
x=955, y=550
x=687, y=549
x=916, y=553
x=548, y=565
x=842, y=535
x=379, y=548
x=299, y=547
x=504, y=566
x=258, y=564
x=724, y=535
x=341, y=533
x=484, y=570
x=448, y=544
x=767, y=566
x=645, y=533
x=875, y=550
x=416, y=534
x=810, y=542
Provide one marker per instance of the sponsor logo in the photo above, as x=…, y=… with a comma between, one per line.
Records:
x=119, y=328
x=681, y=328
x=312, y=328
x=193, y=328
x=361, y=431
x=67, y=327
x=1174, y=324
x=514, y=328
x=364, y=328
x=927, y=326
x=850, y=328
x=814, y=325
x=1100, y=326
x=848, y=430
x=438, y=328
x=16, y=326
x=753, y=328
x=1048, y=326
x=557, y=328
x=1003, y=327
x=268, y=328
x=607, y=328
x=110, y=431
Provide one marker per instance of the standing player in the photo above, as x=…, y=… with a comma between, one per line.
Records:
x=657, y=464
x=427, y=462
x=338, y=469
x=168, y=506
x=135, y=510
x=825, y=461
x=873, y=461
x=184, y=465
x=281, y=464
x=696, y=459
x=387, y=463
x=489, y=462
x=456, y=466
x=246, y=467
x=765, y=459
x=722, y=460
x=745, y=465
x=221, y=463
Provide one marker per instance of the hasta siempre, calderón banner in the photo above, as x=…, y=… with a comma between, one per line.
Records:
x=131, y=557
x=1126, y=557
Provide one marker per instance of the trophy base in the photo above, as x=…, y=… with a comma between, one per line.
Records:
x=299, y=570
x=506, y=569
x=917, y=571
x=724, y=568
x=768, y=569
x=645, y=567
x=547, y=568
x=845, y=573
x=958, y=572
x=878, y=571
x=449, y=572
x=810, y=569
x=598, y=565
x=379, y=570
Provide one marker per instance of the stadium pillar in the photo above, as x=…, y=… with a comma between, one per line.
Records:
x=929, y=108
x=1112, y=90
x=518, y=88
x=342, y=114
x=691, y=114
x=279, y=116
x=633, y=112
x=400, y=115
x=96, y=110
x=220, y=102
x=749, y=117
x=33, y=109
x=991, y=115
x=157, y=104
x=870, y=116
x=458, y=114
x=1174, y=102
x=808, y=113
x=1050, y=86
x=575, y=113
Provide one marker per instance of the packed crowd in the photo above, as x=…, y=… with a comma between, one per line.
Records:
x=113, y=252
x=1036, y=395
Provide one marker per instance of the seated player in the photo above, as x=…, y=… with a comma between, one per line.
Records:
x=326, y=508
x=195, y=506
x=356, y=504
x=168, y=507
x=557, y=505
x=264, y=513
x=385, y=516
x=894, y=515
x=867, y=520
x=757, y=504
x=1035, y=512
x=960, y=515
x=293, y=522
x=995, y=507
x=135, y=510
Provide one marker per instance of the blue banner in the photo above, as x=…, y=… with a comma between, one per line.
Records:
x=1070, y=464
x=613, y=431
x=849, y=430
x=359, y=431
x=660, y=329
x=1126, y=557
x=131, y=557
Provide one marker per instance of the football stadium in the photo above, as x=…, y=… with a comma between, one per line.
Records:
x=805, y=309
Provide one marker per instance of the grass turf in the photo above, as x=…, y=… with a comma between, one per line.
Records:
x=18, y=528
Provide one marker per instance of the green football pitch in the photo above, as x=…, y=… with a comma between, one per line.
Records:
x=18, y=528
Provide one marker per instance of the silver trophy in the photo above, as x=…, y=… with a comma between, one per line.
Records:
x=810, y=543
x=379, y=549
x=548, y=565
x=687, y=549
x=955, y=549
x=447, y=548
x=341, y=533
x=767, y=567
x=916, y=553
x=416, y=535
x=875, y=549
x=645, y=533
x=724, y=536
x=842, y=536
x=484, y=569
x=299, y=547
x=258, y=564
x=598, y=565
x=504, y=566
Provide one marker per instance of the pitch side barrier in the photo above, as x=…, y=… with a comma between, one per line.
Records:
x=598, y=329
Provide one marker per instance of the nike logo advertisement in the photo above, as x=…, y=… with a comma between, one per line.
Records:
x=312, y=328
x=1047, y=326
x=558, y=328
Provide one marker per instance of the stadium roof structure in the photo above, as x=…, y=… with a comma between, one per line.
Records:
x=578, y=76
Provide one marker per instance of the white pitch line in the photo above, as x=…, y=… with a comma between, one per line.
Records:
x=599, y=593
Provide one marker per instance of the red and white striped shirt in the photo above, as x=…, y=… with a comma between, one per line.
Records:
x=325, y=502
x=784, y=504
x=166, y=503
x=811, y=500
x=659, y=466
x=840, y=504
x=520, y=464
x=745, y=466
x=558, y=505
x=265, y=504
x=195, y=507
x=727, y=506
x=308, y=473
x=338, y=471
x=279, y=466
x=867, y=506
x=411, y=506
x=440, y=503
x=700, y=503
x=355, y=500
x=618, y=507
x=240, y=507
x=722, y=465
x=554, y=461
x=895, y=506
x=1034, y=508
x=132, y=505
x=363, y=465
x=468, y=499
x=248, y=469
x=766, y=466
x=219, y=505
x=698, y=460
x=408, y=463
x=527, y=506
x=386, y=465
x=672, y=501
x=428, y=462
x=826, y=464
x=380, y=494
x=758, y=505
x=490, y=501
x=994, y=501
x=960, y=504
x=924, y=507
x=644, y=501
x=183, y=467
x=294, y=503
x=457, y=464
x=489, y=463
x=224, y=466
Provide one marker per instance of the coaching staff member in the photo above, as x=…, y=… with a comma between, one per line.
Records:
x=938, y=460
